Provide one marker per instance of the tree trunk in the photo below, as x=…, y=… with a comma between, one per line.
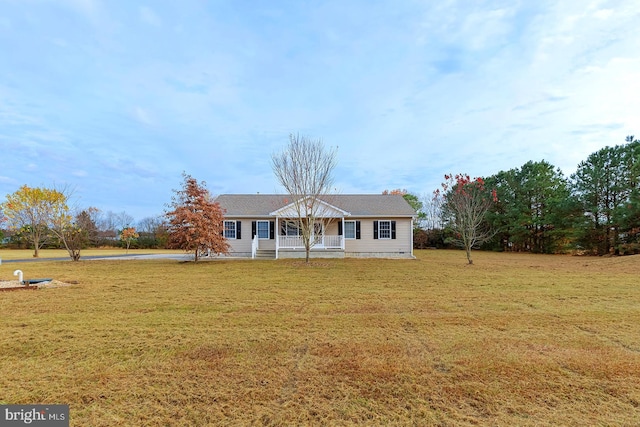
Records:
x=469, y=255
x=74, y=254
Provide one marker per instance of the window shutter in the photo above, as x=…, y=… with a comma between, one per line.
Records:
x=339, y=228
x=393, y=229
x=357, y=229
x=272, y=229
x=254, y=231
x=238, y=224
x=375, y=229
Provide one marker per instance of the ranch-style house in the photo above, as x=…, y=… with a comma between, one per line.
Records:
x=356, y=225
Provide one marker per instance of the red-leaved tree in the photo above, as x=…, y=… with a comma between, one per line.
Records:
x=465, y=203
x=196, y=222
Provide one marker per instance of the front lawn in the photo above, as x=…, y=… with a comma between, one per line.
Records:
x=526, y=340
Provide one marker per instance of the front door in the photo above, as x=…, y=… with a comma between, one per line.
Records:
x=318, y=234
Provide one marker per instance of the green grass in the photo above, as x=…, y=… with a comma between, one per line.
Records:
x=512, y=340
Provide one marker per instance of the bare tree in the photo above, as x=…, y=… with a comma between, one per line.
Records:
x=124, y=220
x=71, y=233
x=111, y=224
x=304, y=168
x=150, y=224
x=153, y=230
x=465, y=203
x=432, y=205
x=107, y=226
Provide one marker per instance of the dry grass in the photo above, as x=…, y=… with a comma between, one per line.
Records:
x=512, y=340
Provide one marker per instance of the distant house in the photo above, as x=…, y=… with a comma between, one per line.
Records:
x=359, y=225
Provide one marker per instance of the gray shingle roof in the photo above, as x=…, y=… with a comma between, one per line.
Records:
x=258, y=205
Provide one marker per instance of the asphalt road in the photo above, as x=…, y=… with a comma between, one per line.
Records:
x=179, y=257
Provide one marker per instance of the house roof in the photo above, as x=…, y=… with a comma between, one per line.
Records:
x=259, y=205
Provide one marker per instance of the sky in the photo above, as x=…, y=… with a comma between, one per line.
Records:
x=113, y=100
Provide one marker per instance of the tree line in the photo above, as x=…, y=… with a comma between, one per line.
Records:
x=535, y=208
x=37, y=218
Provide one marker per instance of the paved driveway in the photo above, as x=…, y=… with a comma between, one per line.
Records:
x=179, y=257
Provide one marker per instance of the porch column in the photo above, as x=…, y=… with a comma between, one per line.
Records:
x=276, y=234
x=411, y=234
x=342, y=239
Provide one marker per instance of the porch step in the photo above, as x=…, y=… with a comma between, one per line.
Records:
x=265, y=254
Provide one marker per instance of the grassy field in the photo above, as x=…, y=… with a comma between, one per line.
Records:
x=513, y=340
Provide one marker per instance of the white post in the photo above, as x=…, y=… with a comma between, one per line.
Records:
x=411, y=240
x=254, y=246
x=276, y=233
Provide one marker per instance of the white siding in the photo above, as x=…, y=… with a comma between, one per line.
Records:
x=242, y=246
x=368, y=246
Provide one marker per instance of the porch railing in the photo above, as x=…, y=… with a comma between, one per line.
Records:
x=325, y=242
x=333, y=242
x=291, y=242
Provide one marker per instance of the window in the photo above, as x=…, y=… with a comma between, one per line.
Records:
x=291, y=229
x=384, y=229
x=349, y=229
x=230, y=229
x=263, y=229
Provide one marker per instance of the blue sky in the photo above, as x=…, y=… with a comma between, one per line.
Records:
x=115, y=99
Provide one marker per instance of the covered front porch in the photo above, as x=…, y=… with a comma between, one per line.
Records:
x=325, y=227
x=326, y=241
